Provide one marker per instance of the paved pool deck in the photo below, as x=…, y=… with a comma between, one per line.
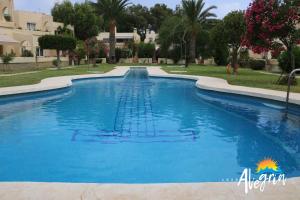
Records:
x=197, y=191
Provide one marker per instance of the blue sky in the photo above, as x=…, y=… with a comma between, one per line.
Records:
x=224, y=6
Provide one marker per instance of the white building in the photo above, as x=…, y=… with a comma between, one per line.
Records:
x=122, y=39
x=20, y=30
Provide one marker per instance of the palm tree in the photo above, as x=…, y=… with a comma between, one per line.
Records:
x=195, y=15
x=111, y=11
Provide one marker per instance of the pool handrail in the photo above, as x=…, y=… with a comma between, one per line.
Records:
x=289, y=87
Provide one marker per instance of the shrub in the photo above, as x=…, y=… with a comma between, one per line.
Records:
x=80, y=51
x=56, y=62
x=27, y=53
x=126, y=53
x=257, y=64
x=118, y=54
x=221, y=56
x=244, y=58
x=102, y=53
x=175, y=54
x=146, y=50
x=284, y=61
x=7, y=58
x=99, y=60
x=133, y=47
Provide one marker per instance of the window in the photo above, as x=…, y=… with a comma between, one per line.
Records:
x=5, y=11
x=39, y=51
x=23, y=49
x=31, y=26
x=6, y=14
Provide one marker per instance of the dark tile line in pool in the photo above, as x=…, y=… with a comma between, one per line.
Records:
x=134, y=110
x=109, y=137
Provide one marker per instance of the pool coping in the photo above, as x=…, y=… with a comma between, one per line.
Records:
x=217, y=190
x=59, y=82
x=202, y=82
x=177, y=191
x=221, y=85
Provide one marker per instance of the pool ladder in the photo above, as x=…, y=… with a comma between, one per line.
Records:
x=289, y=88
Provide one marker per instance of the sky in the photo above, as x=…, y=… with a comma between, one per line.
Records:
x=224, y=6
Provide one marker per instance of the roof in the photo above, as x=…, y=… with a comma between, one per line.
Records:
x=5, y=39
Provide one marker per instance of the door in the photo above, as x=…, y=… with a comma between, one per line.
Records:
x=1, y=50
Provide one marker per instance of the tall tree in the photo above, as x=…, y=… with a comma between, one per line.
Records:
x=136, y=16
x=81, y=15
x=159, y=12
x=171, y=34
x=234, y=30
x=218, y=44
x=195, y=15
x=272, y=25
x=87, y=24
x=63, y=12
x=112, y=10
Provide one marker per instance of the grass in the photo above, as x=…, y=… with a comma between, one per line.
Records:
x=246, y=77
x=33, y=78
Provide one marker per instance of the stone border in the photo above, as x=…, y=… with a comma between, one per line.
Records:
x=202, y=82
x=54, y=83
x=221, y=85
x=193, y=191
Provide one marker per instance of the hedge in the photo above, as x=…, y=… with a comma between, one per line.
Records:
x=57, y=42
x=146, y=50
x=284, y=61
x=257, y=64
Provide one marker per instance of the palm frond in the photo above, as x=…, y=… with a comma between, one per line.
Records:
x=195, y=13
x=111, y=9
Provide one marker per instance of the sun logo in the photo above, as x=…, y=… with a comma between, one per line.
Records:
x=268, y=166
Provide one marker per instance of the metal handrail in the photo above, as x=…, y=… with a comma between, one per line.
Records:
x=289, y=87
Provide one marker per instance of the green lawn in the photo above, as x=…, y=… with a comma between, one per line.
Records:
x=33, y=78
x=246, y=77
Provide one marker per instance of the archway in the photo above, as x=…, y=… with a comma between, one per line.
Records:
x=5, y=14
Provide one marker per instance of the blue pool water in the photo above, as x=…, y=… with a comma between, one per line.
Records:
x=139, y=129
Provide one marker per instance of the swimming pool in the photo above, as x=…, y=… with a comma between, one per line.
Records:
x=139, y=129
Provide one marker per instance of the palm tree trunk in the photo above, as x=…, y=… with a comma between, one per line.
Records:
x=193, y=48
x=112, y=42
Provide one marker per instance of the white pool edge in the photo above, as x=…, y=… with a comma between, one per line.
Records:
x=189, y=191
x=221, y=85
x=202, y=82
